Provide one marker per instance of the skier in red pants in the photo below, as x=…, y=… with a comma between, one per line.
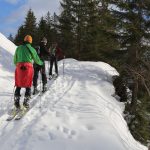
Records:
x=23, y=58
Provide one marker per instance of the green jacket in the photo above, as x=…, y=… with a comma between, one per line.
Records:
x=26, y=53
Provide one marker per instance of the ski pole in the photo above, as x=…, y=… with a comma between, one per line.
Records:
x=11, y=97
x=40, y=86
x=63, y=65
x=49, y=65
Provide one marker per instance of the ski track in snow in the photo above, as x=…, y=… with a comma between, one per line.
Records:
x=55, y=114
x=78, y=112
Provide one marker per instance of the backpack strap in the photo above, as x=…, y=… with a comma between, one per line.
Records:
x=28, y=49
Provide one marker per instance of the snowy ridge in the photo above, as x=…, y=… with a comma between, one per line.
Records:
x=7, y=44
x=78, y=112
x=7, y=50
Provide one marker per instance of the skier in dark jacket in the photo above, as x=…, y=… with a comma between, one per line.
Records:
x=43, y=52
x=23, y=57
x=55, y=54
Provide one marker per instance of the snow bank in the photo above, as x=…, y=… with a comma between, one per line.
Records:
x=7, y=44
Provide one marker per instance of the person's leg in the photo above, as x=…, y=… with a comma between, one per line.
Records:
x=35, y=78
x=44, y=78
x=28, y=92
x=43, y=74
x=17, y=91
x=17, y=97
x=51, y=66
x=56, y=66
x=27, y=97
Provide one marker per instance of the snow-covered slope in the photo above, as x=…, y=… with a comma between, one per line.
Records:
x=7, y=49
x=78, y=112
x=7, y=45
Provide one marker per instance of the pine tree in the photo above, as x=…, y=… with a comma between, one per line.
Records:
x=54, y=28
x=78, y=22
x=48, y=19
x=20, y=35
x=11, y=38
x=66, y=29
x=106, y=40
x=90, y=20
x=42, y=29
x=132, y=29
x=28, y=28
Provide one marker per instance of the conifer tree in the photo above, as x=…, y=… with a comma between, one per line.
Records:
x=48, y=19
x=29, y=27
x=89, y=29
x=54, y=28
x=107, y=39
x=75, y=25
x=66, y=29
x=20, y=35
x=42, y=29
x=133, y=29
x=11, y=38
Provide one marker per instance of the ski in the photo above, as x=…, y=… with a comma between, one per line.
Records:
x=12, y=115
x=55, y=77
x=21, y=114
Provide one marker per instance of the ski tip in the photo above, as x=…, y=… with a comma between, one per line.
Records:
x=8, y=119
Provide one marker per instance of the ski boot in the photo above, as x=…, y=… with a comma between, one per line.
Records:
x=50, y=77
x=55, y=75
x=17, y=102
x=26, y=102
x=44, y=88
x=35, y=90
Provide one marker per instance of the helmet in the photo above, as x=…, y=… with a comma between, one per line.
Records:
x=28, y=38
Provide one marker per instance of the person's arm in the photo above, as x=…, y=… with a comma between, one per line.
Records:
x=47, y=50
x=35, y=56
x=44, y=49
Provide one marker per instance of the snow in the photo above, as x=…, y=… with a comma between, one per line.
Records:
x=78, y=112
x=6, y=44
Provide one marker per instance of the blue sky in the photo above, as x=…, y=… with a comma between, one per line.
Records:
x=13, y=12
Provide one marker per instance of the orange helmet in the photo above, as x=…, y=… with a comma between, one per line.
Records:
x=28, y=38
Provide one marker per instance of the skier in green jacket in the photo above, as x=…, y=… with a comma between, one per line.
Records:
x=24, y=56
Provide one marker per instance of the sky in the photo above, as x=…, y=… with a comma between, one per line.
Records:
x=13, y=12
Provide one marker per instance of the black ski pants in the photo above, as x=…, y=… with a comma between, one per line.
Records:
x=27, y=93
x=41, y=69
x=53, y=60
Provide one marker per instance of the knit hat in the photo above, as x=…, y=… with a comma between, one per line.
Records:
x=28, y=38
x=44, y=40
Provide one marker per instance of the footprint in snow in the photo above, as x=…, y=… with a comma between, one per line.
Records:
x=69, y=133
x=51, y=136
x=90, y=127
